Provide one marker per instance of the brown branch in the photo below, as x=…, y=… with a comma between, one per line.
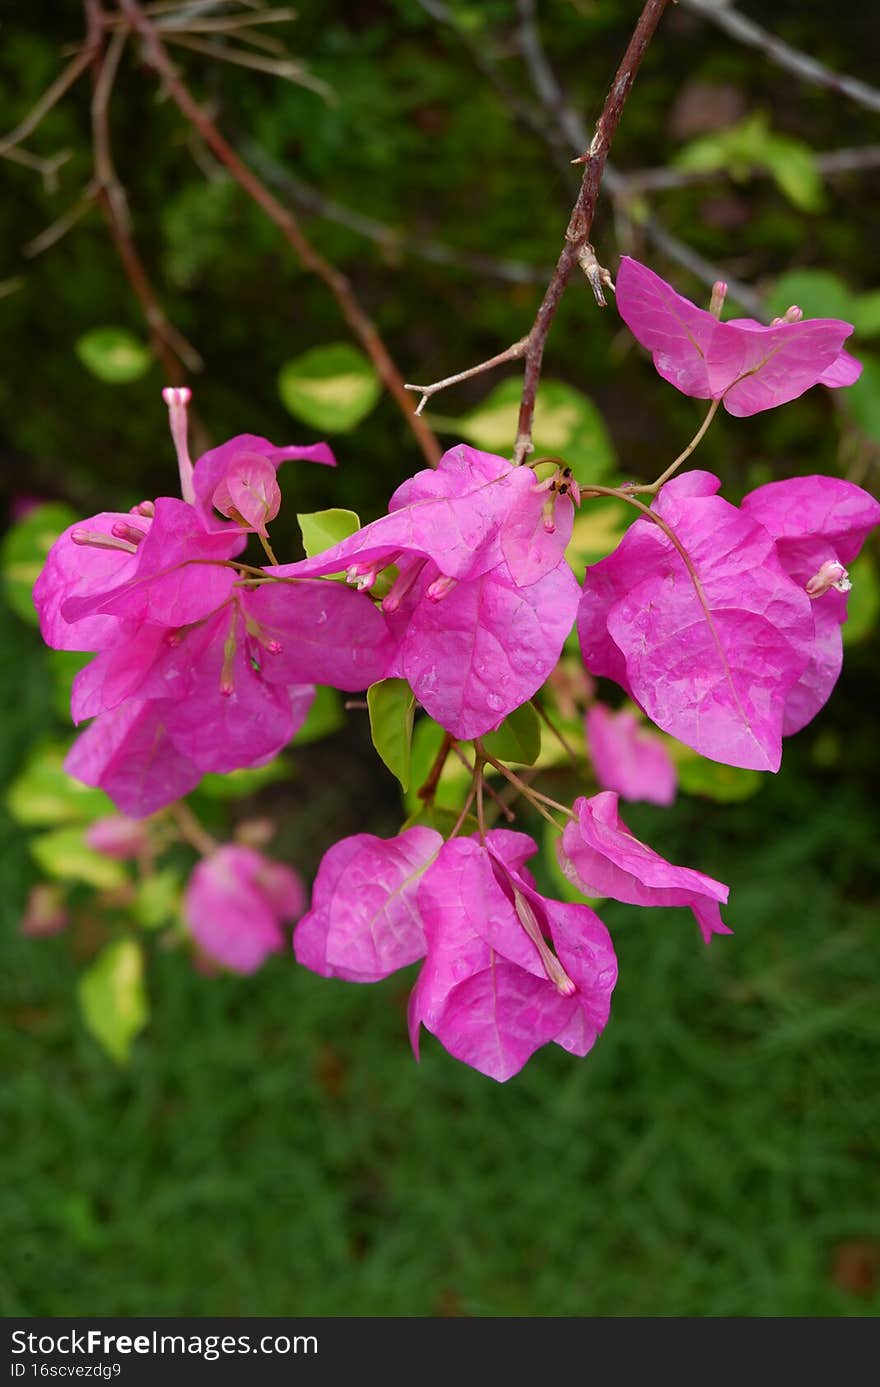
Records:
x=361, y=325
x=745, y=30
x=49, y=98
x=170, y=346
x=581, y=220
x=574, y=131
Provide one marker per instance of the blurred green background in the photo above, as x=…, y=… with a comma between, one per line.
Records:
x=272, y=1148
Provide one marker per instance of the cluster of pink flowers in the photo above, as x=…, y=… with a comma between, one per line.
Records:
x=720, y=622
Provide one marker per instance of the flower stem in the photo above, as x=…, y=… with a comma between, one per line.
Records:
x=682, y=457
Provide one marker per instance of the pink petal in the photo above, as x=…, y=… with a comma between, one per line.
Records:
x=816, y=507
x=710, y=662
x=228, y=915
x=461, y=660
x=249, y=489
x=117, y=672
x=602, y=857
x=310, y=935
x=178, y=577
x=844, y=371
x=496, y=1019
x=74, y=571
x=529, y=550
x=128, y=754
x=328, y=634
x=628, y=758
x=213, y=466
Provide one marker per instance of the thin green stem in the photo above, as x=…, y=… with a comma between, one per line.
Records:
x=682, y=457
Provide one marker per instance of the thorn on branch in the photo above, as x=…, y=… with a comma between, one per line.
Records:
x=596, y=273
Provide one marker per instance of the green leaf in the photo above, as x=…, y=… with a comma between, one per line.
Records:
x=598, y=528
x=243, y=782
x=157, y=899
x=818, y=292
x=865, y=313
x=711, y=779
x=392, y=706
x=64, y=666
x=863, y=603
x=113, y=998
x=23, y=553
x=455, y=779
x=332, y=388
x=324, y=528
x=750, y=145
x=862, y=400
x=325, y=716
x=43, y=793
x=518, y=738
x=63, y=854
x=567, y=424
x=114, y=355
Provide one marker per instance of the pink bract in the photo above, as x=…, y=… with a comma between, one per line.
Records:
x=817, y=522
x=600, y=855
x=236, y=903
x=746, y=365
x=628, y=757
x=709, y=646
x=487, y=991
x=364, y=923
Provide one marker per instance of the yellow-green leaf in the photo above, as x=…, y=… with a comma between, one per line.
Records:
x=331, y=388
x=23, y=553
x=63, y=853
x=43, y=793
x=114, y=355
x=113, y=998
x=324, y=528
x=517, y=739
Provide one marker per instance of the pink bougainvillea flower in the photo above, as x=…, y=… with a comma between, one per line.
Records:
x=129, y=755
x=628, y=757
x=492, y=989
x=236, y=903
x=119, y=837
x=600, y=855
x=364, y=923
x=239, y=476
x=746, y=365
x=709, y=646
x=483, y=599
x=819, y=525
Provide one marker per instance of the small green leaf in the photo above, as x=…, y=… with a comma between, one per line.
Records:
x=325, y=716
x=865, y=313
x=862, y=400
x=243, y=782
x=751, y=144
x=324, y=528
x=114, y=355
x=567, y=424
x=392, y=706
x=518, y=738
x=23, y=553
x=331, y=388
x=63, y=854
x=157, y=899
x=43, y=793
x=113, y=998
x=818, y=293
x=712, y=779
x=863, y=603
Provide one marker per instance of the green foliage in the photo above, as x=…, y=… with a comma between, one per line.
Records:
x=64, y=855
x=567, y=424
x=43, y=793
x=114, y=355
x=23, y=552
x=331, y=388
x=325, y=716
x=863, y=603
x=862, y=400
x=157, y=899
x=322, y=529
x=113, y=998
x=712, y=779
x=392, y=706
x=518, y=739
x=822, y=294
x=751, y=144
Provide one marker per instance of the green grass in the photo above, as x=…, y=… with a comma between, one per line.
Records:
x=273, y=1149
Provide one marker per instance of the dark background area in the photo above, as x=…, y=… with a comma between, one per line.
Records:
x=272, y=1148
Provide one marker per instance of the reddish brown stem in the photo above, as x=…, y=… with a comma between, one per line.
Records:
x=429, y=789
x=176, y=355
x=581, y=220
x=361, y=325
